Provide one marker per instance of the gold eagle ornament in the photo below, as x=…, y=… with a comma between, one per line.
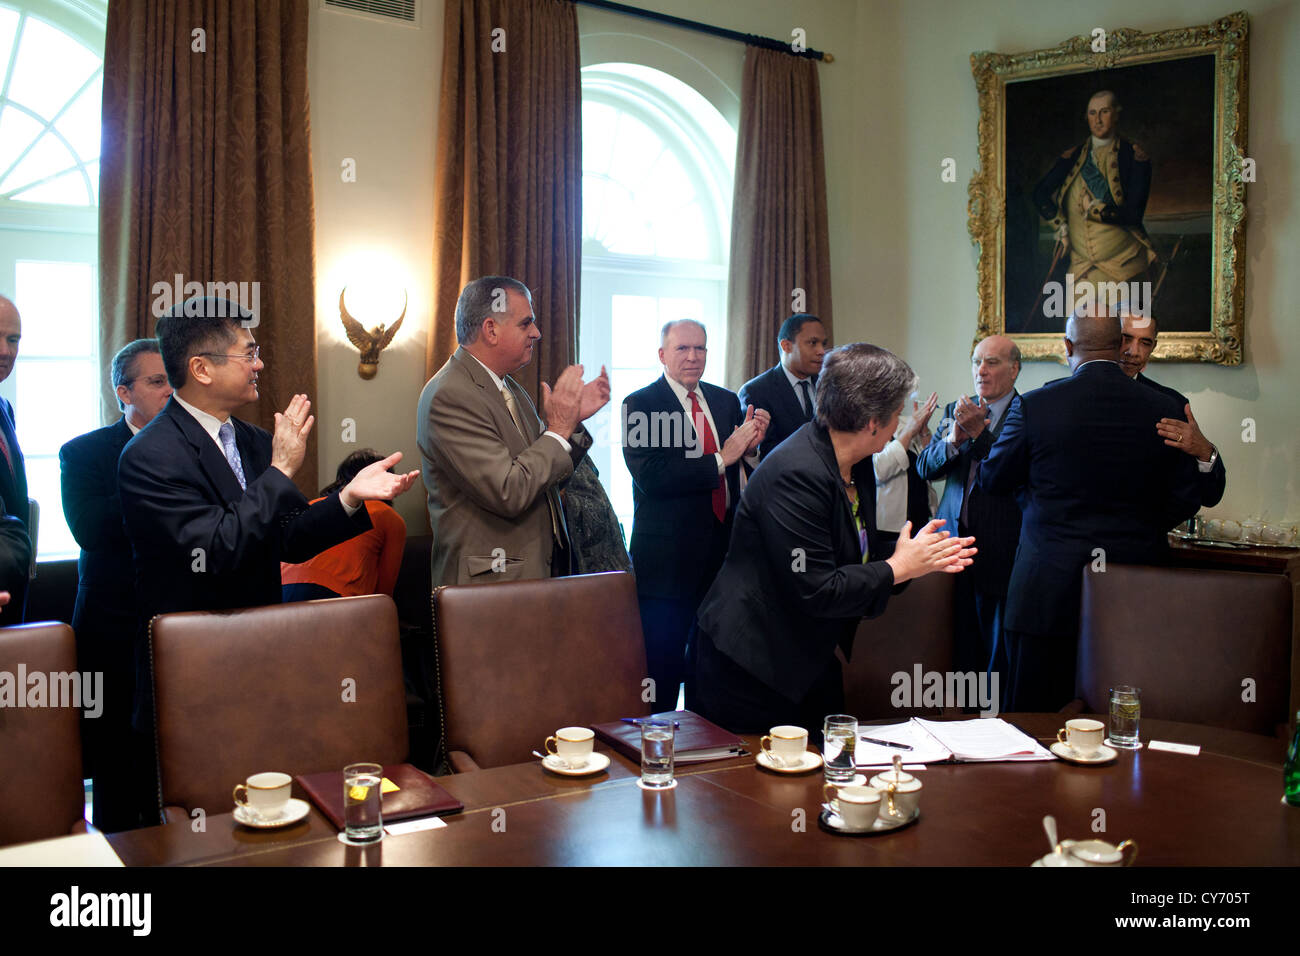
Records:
x=370, y=343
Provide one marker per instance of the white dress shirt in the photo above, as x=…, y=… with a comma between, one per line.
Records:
x=500, y=383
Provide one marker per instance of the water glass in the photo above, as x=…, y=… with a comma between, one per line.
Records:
x=657, y=752
x=1125, y=716
x=362, y=786
x=839, y=739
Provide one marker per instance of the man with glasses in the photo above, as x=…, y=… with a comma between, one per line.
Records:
x=209, y=503
x=105, y=615
x=683, y=443
x=956, y=452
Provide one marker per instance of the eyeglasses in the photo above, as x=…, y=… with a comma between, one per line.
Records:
x=153, y=381
x=249, y=357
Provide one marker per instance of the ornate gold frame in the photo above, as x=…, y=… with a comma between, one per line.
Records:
x=986, y=208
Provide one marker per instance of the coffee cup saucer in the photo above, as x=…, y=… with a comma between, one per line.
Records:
x=596, y=762
x=808, y=760
x=293, y=811
x=832, y=822
x=1067, y=753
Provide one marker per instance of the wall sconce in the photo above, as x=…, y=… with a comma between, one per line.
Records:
x=370, y=343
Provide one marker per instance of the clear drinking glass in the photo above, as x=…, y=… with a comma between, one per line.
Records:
x=839, y=739
x=362, y=785
x=1125, y=716
x=657, y=752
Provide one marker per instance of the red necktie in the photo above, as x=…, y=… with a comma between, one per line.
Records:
x=709, y=445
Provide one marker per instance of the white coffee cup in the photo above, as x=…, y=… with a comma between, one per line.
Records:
x=856, y=806
x=786, y=744
x=1082, y=735
x=573, y=745
x=1099, y=852
x=265, y=794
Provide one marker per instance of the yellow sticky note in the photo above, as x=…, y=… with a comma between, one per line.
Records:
x=388, y=786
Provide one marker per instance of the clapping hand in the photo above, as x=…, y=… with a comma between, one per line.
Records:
x=376, y=483
x=919, y=426
x=762, y=419
x=930, y=549
x=970, y=417
x=289, y=441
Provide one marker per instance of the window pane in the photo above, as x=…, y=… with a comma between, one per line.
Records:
x=48, y=156
x=49, y=69
x=17, y=132
x=54, y=538
x=56, y=400
x=8, y=27
x=56, y=300
x=636, y=330
x=80, y=123
x=70, y=189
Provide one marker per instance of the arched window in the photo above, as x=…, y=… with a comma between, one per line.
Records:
x=657, y=171
x=51, y=77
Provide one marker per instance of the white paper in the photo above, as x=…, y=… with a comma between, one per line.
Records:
x=1192, y=749
x=414, y=826
x=81, y=849
x=925, y=749
x=985, y=739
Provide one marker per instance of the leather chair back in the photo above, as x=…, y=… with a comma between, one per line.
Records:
x=915, y=630
x=1188, y=638
x=522, y=658
x=41, y=793
x=300, y=688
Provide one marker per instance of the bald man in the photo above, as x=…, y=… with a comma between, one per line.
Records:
x=1138, y=342
x=969, y=428
x=13, y=472
x=1096, y=482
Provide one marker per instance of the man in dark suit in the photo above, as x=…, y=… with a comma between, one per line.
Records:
x=1183, y=432
x=209, y=503
x=788, y=391
x=13, y=471
x=105, y=616
x=1096, y=486
x=969, y=429
x=683, y=441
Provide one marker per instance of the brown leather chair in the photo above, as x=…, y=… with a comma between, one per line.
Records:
x=300, y=688
x=520, y=659
x=41, y=791
x=1188, y=638
x=916, y=629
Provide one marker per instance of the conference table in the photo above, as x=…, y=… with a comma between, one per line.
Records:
x=1221, y=807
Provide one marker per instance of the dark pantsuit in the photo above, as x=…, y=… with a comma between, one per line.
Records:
x=741, y=703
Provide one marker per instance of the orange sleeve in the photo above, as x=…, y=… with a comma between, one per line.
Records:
x=393, y=528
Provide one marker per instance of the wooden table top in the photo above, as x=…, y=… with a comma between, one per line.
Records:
x=1221, y=808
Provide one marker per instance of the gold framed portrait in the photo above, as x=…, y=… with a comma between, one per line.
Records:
x=1112, y=168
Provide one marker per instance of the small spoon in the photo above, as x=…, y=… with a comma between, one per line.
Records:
x=1049, y=825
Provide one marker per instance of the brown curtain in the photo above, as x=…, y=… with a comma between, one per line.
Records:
x=779, y=238
x=507, y=195
x=206, y=174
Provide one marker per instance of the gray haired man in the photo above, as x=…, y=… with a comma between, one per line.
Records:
x=492, y=467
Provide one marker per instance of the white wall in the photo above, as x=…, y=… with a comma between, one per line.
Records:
x=920, y=270
x=374, y=99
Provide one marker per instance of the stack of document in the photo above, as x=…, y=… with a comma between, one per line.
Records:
x=940, y=741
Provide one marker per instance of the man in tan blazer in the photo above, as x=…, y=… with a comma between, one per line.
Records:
x=492, y=467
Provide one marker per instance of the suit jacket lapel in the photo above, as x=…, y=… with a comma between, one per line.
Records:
x=486, y=388
x=997, y=425
x=210, y=458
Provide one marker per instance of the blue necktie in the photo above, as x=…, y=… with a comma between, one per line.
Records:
x=227, y=435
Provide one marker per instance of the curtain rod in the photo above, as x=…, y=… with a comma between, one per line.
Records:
x=748, y=38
